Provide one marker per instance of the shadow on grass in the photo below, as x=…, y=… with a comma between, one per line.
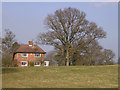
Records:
x=9, y=70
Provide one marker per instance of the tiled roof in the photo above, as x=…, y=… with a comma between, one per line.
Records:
x=26, y=48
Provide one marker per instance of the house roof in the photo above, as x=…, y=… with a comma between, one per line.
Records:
x=29, y=49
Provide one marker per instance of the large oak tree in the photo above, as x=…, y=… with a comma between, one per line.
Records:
x=69, y=27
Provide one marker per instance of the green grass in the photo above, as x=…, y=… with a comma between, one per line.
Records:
x=61, y=77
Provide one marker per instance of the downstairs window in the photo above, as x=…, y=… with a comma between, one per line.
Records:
x=37, y=64
x=23, y=63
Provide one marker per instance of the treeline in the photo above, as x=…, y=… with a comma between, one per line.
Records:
x=93, y=54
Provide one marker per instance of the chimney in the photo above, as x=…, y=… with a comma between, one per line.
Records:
x=31, y=43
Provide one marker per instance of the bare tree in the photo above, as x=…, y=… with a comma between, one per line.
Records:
x=9, y=45
x=51, y=58
x=119, y=60
x=67, y=27
x=108, y=56
x=8, y=40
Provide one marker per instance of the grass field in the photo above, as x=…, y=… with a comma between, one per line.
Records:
x=61, y=77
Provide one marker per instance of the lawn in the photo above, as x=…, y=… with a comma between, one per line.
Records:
x=61, y=77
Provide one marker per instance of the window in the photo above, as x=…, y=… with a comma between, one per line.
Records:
x=24, y=54
x=44, y=63
x=37, y=55
x=37, y=64
x=23, y=63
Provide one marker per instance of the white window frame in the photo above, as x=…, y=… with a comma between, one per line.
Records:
x=44, y=63
x=36, y=65
x=30, y=45
x=37, y=56
x=24, y=56
x=24, y=61
x=47, y=63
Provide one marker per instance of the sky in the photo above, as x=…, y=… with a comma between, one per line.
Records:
x=119, y=30
x=26, y=19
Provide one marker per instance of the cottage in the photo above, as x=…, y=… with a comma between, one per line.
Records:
x=30, y=53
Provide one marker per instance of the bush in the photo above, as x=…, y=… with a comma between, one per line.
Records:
x=31, y=64
x=14, y=63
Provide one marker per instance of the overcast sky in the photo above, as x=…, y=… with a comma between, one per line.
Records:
x=26, y=19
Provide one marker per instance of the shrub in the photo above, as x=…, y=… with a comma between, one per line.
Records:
x=31, y=64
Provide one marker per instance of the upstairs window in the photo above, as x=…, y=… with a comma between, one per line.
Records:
x=24, y=54
x=37, y=55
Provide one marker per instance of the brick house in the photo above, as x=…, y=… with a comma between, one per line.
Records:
x=28, y=53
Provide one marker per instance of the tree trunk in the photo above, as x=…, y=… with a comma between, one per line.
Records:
x=64, y=61
x=67, y=56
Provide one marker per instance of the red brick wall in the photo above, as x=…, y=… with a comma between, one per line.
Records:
x=30, y=58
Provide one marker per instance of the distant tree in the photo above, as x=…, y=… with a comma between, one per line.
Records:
x=108, y=57
x=7, y=60
x=59, y=57
x=51, y=58
x=119, y=60
x=67, y=28
x=0, y=51
x=15, y=46
x=88, y=55
x=92, y=54
x=9, y=45
x=8, y=40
